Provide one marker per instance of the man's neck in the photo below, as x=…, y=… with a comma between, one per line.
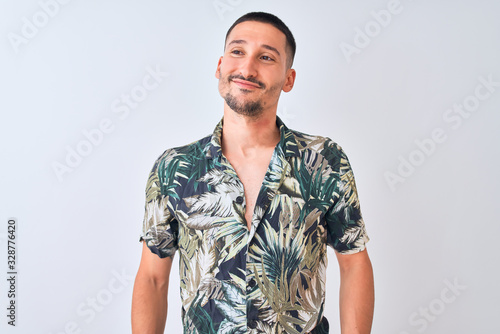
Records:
x=245, y=136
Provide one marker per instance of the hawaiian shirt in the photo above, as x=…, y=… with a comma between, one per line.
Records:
x=269, y=278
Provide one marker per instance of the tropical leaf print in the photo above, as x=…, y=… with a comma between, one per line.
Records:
x=270, y=278
x=231, y=308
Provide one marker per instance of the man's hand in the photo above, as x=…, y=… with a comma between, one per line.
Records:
x=357, y=294
x=149, y=299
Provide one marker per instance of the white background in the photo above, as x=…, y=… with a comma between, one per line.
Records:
x=78, y=231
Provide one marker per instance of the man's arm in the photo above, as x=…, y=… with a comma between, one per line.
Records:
x=149, y=299
x=357, y=294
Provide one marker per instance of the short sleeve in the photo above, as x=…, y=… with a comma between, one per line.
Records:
x=159, y=228
x=346, y=231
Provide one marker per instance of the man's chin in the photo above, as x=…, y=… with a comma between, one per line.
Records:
x=245, y=108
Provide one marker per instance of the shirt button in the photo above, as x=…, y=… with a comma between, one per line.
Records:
x=239, y=199
x=252, y=283
x=252, y=324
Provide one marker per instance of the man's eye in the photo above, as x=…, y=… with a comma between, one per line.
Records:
x=267, y=58
x=236, y=52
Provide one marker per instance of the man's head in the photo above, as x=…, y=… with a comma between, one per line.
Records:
x=256, y=65
x=274, y=21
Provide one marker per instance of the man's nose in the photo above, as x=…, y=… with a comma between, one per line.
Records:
x=248, y=68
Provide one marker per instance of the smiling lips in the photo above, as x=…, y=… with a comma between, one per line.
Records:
x=245, y=84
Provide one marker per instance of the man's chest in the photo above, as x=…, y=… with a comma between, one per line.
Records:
x=251, y=173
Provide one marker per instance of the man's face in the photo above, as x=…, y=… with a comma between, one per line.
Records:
x=253, y=70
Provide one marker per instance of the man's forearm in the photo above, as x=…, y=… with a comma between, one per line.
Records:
x=357, y=297
x=149, y=306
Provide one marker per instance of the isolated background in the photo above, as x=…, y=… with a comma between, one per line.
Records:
x=78, y=232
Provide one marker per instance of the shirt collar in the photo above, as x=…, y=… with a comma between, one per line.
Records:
x=287, y=142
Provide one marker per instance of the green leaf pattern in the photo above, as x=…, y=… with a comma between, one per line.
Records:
x=269, y=278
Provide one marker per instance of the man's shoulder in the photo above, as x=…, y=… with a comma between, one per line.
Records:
x=193, y=151
x=316, y=144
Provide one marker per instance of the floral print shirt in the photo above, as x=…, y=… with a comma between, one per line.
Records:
x=269, y=278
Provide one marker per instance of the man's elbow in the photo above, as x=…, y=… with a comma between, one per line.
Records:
x=152, y=281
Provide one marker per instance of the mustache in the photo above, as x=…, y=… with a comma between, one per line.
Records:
x=239, y=76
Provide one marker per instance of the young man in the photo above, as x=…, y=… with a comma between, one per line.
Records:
x=251, y=209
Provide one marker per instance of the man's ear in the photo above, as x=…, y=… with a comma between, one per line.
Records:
x=217, y=71
x=290, y=80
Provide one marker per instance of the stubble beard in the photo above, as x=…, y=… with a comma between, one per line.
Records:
x=252, y=109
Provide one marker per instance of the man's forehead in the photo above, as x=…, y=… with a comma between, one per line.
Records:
x=254, y=31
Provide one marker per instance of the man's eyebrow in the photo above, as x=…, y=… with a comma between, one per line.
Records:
x=265, y=46
x=237, y=41
x=269, y=47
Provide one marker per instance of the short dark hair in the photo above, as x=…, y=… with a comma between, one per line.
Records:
x=274, y=21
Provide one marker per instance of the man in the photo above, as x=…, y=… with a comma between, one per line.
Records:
x=251, y=210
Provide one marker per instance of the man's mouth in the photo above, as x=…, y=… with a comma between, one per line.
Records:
x=241, y=82
x=245, y=84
